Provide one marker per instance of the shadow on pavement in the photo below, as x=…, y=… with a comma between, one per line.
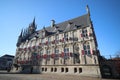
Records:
x=5, y=72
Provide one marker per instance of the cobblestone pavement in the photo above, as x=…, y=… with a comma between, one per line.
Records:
x=13, y=76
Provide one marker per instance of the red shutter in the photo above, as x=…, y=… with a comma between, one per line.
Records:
x=52, y=55
x=45, y=56
x=60, y=40
x=24, y=49
x=53, y=41
x=46, y=42
x=38, y=56
x=81, y=35
x=92, y=52
x=29, y=48
x=27, y=61
x=33, y=47
x=63, y=40
x=90, y=34
x=70, y=54
x=39, y=43
x=62, y=54
x=83, y=52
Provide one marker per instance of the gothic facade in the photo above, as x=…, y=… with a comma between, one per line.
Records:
x=69, y=47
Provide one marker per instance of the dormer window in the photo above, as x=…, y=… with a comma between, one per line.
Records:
x=66, y=35
x=49, y=39
x=43, y=34
x=84, y=32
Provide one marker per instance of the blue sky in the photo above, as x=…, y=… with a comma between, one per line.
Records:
x=18, y=14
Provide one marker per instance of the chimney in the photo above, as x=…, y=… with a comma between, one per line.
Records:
x=52, y=23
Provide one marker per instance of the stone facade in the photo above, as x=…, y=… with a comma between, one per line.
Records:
x=69, y=47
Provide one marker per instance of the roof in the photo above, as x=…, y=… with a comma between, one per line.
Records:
x=65, y=26
x=68, y=25
x=6, y=55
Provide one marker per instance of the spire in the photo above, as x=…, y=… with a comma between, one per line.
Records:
x=88, y=10
x=20, y=38
x=34, y=24
x=21, y=33
x=32, y=27
x=44, y=28
x=24, y=32
x=34, y=21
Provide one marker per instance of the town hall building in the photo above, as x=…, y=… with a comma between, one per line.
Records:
x=69, y=47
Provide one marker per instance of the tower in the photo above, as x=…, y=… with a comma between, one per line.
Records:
x=32, y=27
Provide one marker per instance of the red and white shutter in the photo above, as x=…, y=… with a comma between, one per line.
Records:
x=92, y=52
x=83, y=52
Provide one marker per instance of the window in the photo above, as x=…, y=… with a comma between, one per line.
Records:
x=47, y=51
x=55, y=69
x=66, y=35
x=51, y=69
x=84, y=32
x=66, y=50
x=75, y=70
x=42, y=69
x=41, y=52
x=43, y=34
x=66, y=69
x=62, y=69
x=57, y=38
x=41, y=40
x=74, y=34
x=45, y=69
x=49, y=39
x=80, y=70
x=87, y=48
x=56, y=51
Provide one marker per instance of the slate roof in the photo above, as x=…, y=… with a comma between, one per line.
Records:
x=65, y=26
